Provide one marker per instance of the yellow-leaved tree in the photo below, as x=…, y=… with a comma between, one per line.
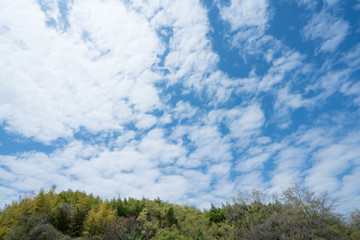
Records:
x=98, y=219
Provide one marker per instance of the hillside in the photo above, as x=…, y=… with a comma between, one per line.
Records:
x=297, y=214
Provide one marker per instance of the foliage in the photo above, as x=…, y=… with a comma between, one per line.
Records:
x=298, y=214
x=35, y=227
x=127, y=207
x=98, y=219
x=124, y=228
x=355, y=224
x=216, y=215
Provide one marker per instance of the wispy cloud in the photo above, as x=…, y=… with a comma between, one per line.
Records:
x=242, y=14
x=248, y=22
x=280, y=66
x=329, y=29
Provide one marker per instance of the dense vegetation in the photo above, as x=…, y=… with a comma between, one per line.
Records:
x=297, y=214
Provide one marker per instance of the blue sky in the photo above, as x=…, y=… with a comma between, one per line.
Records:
x=191, y=101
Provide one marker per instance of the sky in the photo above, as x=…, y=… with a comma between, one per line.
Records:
x=191, y=101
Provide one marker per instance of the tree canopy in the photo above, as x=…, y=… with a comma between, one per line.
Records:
x=298, y=214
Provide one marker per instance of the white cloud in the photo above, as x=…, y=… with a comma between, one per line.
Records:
x=290, y=158
x=352, y=90
x=319, y=158
x=249, y=84
x=191, y=55
x=220, y=170
x=208, y=145
x=184, y=110
x=145, y=121
x=245, y=122
x=280, y=66
x=332, y=3
x=314, y=138
x=7, y=193
x=289, y=164
x=330, y=29
x=332, y=161
x=173, y=188
x=290, y=100
x=252, y=163
x=206, y=139
x=250, y=181
x=219, y=87
x=246, y=13
x=135, y=170
x=150, y=166
x=248, y=22
x=352, y=57
x=286, y=63
x=326, y=85
x=56, y=82
x=350, y=190
x=285, y=103
x=309, y=4
x=165, y=154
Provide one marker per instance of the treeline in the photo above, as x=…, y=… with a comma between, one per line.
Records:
x=297, y=214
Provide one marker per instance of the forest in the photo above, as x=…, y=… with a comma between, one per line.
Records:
x=297, y=213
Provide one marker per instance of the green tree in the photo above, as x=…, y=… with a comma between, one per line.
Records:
x=247, y=211
x=61, y=217
x=124, y=228
x=45, y=201
x=311, y=214
x=78, y=216
x=36, y=227
x=170, y=218
x=216, y=215
x=98, y=219
x=355, y=224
